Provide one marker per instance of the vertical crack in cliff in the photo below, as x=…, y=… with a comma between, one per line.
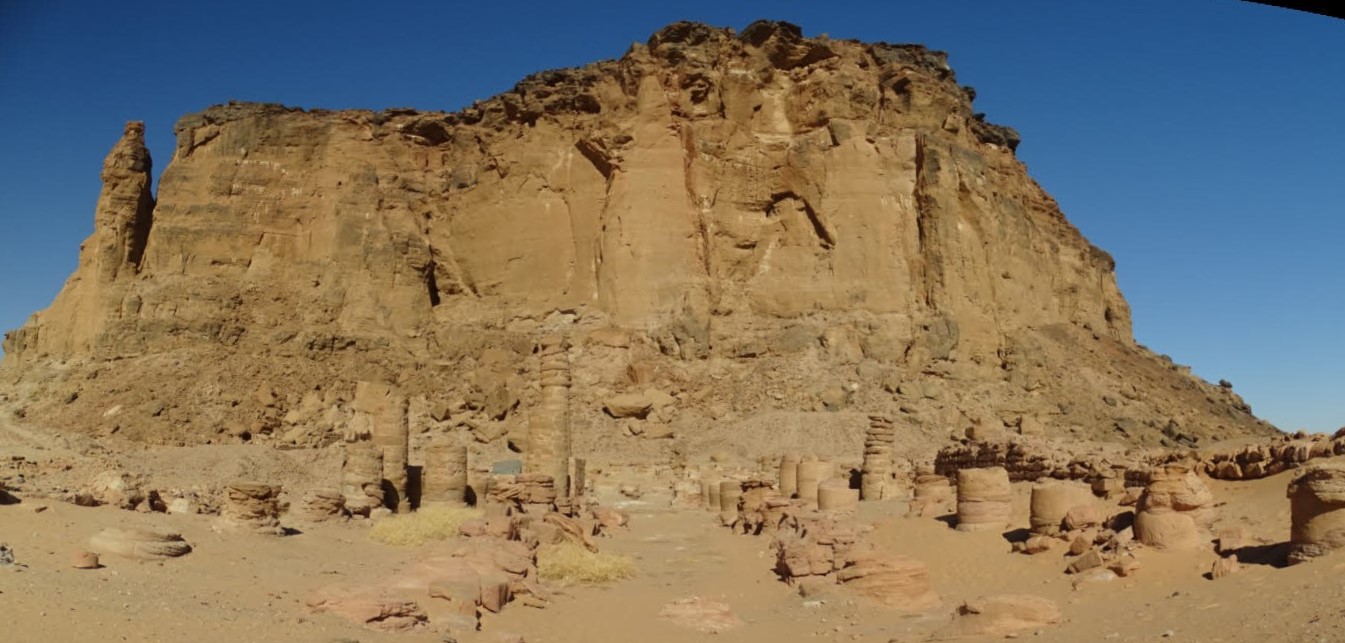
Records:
x=431, y=282
x=824, y=235
x=139, y=228
x=926, y=221
x=702, y=227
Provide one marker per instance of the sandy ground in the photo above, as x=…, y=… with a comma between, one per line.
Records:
x=252, y=588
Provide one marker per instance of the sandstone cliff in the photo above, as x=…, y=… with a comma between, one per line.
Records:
x=768, y=230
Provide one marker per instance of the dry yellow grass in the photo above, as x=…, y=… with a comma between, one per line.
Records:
x=571, y=563
x=428, y=524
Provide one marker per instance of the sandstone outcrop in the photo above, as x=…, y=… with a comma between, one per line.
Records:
x=793, y=206
x=893, y=580
x=371, y=607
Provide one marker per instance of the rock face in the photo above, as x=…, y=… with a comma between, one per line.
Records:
x=794, y=206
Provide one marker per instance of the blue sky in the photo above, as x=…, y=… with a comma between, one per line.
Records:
x=1201, y=142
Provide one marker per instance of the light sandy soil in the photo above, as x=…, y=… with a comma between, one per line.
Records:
x=252, y=588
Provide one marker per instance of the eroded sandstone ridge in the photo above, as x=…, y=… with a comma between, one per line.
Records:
x=748, y=234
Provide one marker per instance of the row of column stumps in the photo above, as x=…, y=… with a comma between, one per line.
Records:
x=548, y=451
x=375, y=473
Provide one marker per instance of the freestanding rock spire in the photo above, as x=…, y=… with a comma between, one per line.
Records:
x=125, y=206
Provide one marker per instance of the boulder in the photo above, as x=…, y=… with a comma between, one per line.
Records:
x=628, y=405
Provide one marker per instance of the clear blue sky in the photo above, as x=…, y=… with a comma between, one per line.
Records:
x=1201, y=142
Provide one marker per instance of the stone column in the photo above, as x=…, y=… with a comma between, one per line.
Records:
x=984, y=499
x=876, y=476
x=1317, y=512
x=387, y=408
x=362, y=477
x=1175, y=511
x=710, y=491
x=324, y=504
x=443, y=478
x=251, y=506
x=1051, y=501
x=548, y=451
x=810, y=475
x=730, y=492
x=789, y=474
x=835, y=495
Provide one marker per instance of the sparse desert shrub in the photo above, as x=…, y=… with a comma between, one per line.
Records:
x=420, y=527
x=571, y=563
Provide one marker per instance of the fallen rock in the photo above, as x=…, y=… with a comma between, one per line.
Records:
x=1225, y=567
x=81, y=559
x=139, y=544
x=628, y=405
x=1039, y=544
x=1089, y=560
x=1124, y=566
x=1083, y=516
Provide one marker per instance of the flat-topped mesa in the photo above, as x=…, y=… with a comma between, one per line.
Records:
x=791, y=202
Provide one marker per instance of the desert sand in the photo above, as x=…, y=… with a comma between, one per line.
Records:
x=253, y=587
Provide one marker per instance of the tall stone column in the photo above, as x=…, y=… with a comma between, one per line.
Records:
x=387, y=409
x=362, y=477
x=876, y=476
x=548, y=451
